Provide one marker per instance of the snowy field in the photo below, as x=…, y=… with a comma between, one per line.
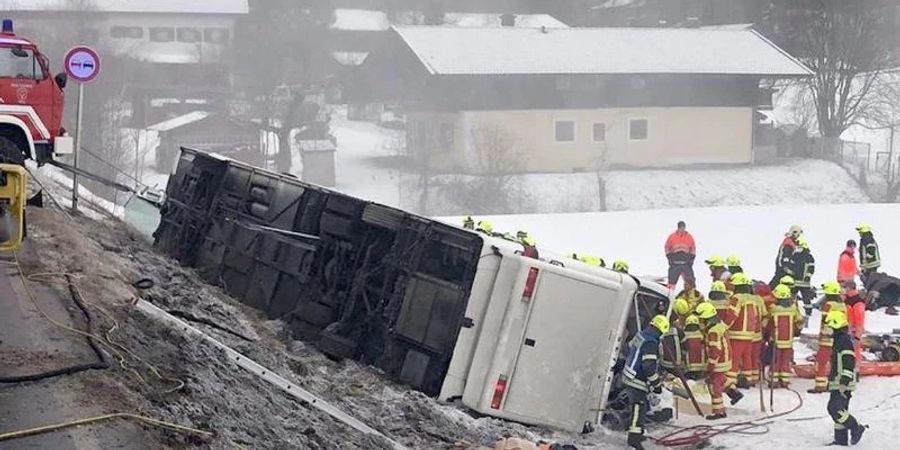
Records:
x=753, y=233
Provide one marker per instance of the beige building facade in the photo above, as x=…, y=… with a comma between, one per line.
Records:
x=560, y=140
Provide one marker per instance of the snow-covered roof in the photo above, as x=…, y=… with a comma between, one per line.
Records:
x=493, y=20
x=488, y=51
x=136, y=6
x=180, y=121
x=360, y=20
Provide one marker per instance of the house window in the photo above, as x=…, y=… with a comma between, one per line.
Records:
x=162, y=34
x=126, y=32
x=638, y=129
x=447, y=134
x=216, y=35
x=565, y=131
x=189, y=35
x=599, y=132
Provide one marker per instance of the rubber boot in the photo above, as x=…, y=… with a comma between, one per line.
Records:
x=635, y=440
x=742, y=382
x=856, y=433
x=716, y=416
x=840, y=437
x=734, y=395
x=816, y=391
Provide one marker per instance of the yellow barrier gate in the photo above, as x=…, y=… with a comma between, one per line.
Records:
x=12, y=206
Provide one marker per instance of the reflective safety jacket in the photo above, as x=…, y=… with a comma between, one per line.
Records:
x=847, y=269
x=672, y=350
x=843, y=362
x=692, y=297
x=784, y=323
x=869, y=257
x=831, y=303
x=695, y=350
x=723, y=307
x=718, y=349
x=804, y=268
x=785, y=254
x=680, y=242
x=750, y=314
x=641, y=364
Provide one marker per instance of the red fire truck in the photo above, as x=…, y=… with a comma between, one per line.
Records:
x=31, y=103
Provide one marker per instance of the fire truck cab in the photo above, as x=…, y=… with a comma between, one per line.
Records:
x=31, y=103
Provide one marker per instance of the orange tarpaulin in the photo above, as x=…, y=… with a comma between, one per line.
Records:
x=866, y=368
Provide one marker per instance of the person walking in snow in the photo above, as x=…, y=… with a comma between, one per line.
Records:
x=842, y=382
x=680, y=251
x=785, y=253
x=847, y=269
x=869, y=256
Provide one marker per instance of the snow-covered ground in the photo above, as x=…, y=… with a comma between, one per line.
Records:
x=753, y=233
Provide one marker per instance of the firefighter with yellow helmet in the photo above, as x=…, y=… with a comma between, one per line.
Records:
x=718, y=360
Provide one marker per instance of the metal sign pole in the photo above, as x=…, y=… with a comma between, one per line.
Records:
x=78, y=118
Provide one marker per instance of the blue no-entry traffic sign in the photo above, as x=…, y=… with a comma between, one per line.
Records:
x=82, y=64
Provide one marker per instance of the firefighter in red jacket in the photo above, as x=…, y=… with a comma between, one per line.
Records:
x=720, y=298
x=716, y=267
x=718, y=363
x=680, y=251
x=831, y=302
x=785, y=254
x=695, y=350
x=784, y=325
x=746, y=330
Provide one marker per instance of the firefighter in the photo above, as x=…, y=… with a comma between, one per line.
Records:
x=681, y=308
x=804, y=266
x=784, y=324
x=695, y=352
x=620, y=265
x=720, y=298
x=529, y=244
x=590, y=260
x=831, y=302
x=680, y=252
x=842, y=381
x=847, y=268
x=785, y=252
x=691, y=295
x=734, y=264
x=856, y=315
x=469, y=223
x=641, y=375
x=485, y=226
x=716, y=267
x=869, y=256
x=746, y=331
x=718, y=360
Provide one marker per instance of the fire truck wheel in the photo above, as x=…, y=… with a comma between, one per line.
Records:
x=10, y=152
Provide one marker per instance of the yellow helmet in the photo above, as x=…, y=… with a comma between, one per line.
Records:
x=741, y=279
x=733, y=260
x=836, y=319
x=486, y=226
x=864, y=228
x=787, y=280
x=715, y=261
x=620, y=265
x=692, y=320
x=803, y=243
x=781, y=292
x=681, y=306
x=831, y=288
x=529, y=241
x=661, y=323
x=718, y=286
x=706, y=311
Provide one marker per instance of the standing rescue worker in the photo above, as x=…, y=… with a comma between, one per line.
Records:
x=842, y=381
x=746, y=331
x=804, y=266
x=734, y=264
x=720, y=298
x=785, y=324
x=831, y=302
x=695, y=350
x=529, y=244
x=847, y=269
x=856, y=316
x=716, y=267
x=869, y=256
x=641, y=375
x=785, y=253
x=681, y=252
x=718, y=363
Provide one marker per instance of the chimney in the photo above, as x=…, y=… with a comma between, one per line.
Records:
x=544, y=29
x=508, y=20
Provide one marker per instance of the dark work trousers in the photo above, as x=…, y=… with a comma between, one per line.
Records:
x=681, y=265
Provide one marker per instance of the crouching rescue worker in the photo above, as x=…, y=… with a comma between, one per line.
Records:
x=718, y=364
x=642, y=375
x=831, y=302
x=784, y=324
x=695, y=351
x=842, y=381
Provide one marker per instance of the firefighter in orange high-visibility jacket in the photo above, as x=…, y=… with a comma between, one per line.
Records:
x=718, y=362
x=695, y=350
x=831, y=302
x=785, y=323
x=746, y=331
